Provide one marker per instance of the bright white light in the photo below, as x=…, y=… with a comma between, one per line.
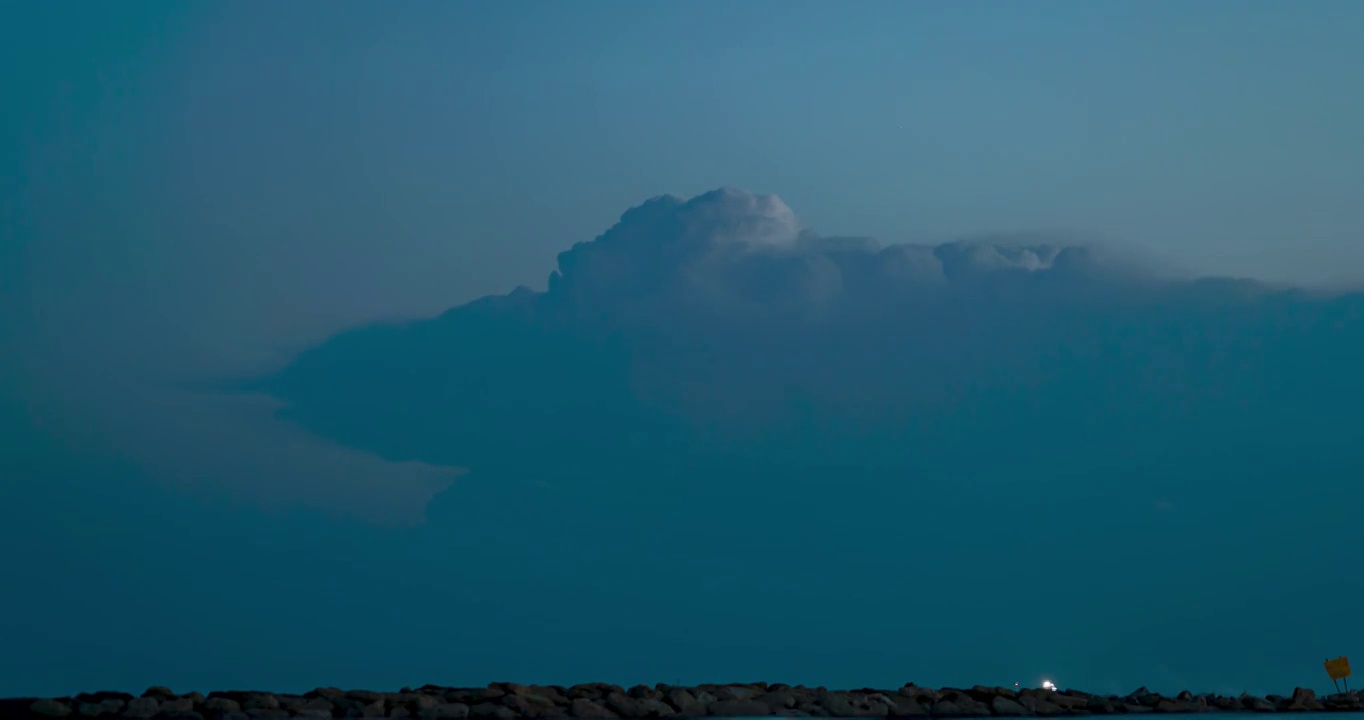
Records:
x=1048, y=685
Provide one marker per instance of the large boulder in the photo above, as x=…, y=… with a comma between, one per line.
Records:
x=445, y=711
x=492, y=711
x=143, y=707
x=852, y=705
x=1343, y=702
x=177, y=706
x=50, y=708
x=686, y=703
x=738, y=708
x=1006, y=707
x=582, y=707
x=1038, y=705
x=777, y=700
x=1302, y=700
x=736, y=692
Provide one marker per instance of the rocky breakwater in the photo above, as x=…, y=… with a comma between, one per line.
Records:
x=508, y=701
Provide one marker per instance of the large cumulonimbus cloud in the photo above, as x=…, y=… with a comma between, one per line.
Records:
x=718, y=429
x=721, y=323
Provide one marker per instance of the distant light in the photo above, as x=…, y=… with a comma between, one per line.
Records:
x=1048, y=685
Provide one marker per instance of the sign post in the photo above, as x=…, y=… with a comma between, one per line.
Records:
x=1339, y=670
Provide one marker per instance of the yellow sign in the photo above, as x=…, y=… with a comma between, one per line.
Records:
x=1339, y=668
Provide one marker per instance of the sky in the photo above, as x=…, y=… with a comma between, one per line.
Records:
x=722, y=435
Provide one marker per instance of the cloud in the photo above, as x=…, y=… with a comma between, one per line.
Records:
x=730, y=251
x=723, y=321
x=717, y=425
x=792, y=430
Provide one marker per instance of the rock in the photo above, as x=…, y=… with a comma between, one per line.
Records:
x=622, y=704
x=1143, y=697
x=313, y=707
x=1066, y=701
x=50, y=708
x=533, y=706
x=947, y=708
x=1342, y=702
x=600, y=701
x=1302, y=700
x=491, y=694
x=655, y=708
x=1006, y=707
x=685, y=702
x=735, y=693
x=1166, y=705
x=584, y=708
x=445, y=711
x=1038, y=705
x=593, y=691
x=259, y=701
x=319, y=712
x=1102, y=706
x=553, y=694
x=778, y=700
x=100, y=703
x=102, y=695
x=345, y=707
x=143, y=707
x=845, y=705
x=738, y=708
x=887, y=704
x=860, y=703
x=492, y=711
x=987, y=694
x=176, y=706
x=924, y=696
x=906, y=707
x=968, y=707
x=222, y=705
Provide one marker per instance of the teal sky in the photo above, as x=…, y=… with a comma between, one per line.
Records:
x=193, y=191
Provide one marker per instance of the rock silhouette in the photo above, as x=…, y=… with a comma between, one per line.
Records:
x=509, y=701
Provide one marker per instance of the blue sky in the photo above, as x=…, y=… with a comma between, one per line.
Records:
x=200, y=191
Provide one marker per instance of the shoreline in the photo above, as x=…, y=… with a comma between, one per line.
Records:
x=601, y=701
